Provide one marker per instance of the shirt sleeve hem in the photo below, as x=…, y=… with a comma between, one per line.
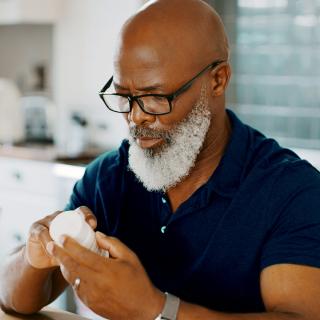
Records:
x=300, y=260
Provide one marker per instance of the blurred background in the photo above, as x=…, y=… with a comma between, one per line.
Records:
x=56, y=55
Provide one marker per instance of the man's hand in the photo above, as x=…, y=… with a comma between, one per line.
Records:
x=116, y=287
x=36, y=253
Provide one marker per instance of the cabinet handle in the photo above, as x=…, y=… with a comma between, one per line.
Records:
x=17, y=175
x=18, y=237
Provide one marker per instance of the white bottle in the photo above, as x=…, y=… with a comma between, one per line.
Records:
x=73, y=224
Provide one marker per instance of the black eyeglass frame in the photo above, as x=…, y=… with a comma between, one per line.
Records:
x=170, y=97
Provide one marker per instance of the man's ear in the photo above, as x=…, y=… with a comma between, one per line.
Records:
x=220, y=78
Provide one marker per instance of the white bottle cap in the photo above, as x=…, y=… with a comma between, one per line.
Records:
x=69, y=223
x=73, y=224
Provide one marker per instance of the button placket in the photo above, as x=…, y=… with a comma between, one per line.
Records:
x=166, y=214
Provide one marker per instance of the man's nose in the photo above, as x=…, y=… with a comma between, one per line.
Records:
x=138, y=116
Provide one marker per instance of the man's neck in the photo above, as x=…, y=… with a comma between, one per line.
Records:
x=207, y=162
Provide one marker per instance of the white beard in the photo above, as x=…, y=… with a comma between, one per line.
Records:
x=166, y=166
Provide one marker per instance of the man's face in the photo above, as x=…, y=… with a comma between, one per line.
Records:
x=163, y=148
x=164, y=165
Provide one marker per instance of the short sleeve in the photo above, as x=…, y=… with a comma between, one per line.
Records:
x=107, y=167
x=295, y=234
x=83, y=193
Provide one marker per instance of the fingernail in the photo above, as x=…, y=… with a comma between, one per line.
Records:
x=50, y=247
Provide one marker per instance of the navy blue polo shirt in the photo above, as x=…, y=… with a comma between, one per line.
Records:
x=260, y=207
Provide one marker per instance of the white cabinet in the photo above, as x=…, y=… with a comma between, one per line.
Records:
x=29, y=11
x=18, y=212
x=28, y=192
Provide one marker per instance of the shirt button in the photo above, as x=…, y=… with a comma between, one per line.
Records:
x=163, y=200
x=163, y=229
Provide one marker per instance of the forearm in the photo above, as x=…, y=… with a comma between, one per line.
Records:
x=24, y=289
x=193, y=312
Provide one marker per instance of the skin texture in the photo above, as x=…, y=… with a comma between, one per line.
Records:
x=163, y=46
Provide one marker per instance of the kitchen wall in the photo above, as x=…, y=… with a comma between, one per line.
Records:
x=22, y=48
x=84, y=39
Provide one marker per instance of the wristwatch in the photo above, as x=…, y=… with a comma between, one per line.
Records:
x=170, y=309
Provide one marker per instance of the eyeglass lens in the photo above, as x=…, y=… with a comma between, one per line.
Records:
x=151, y=104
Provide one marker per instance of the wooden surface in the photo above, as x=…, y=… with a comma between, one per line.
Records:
x=48, y=153
x=45, y=314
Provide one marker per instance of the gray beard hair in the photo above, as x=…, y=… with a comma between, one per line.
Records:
x=162, y=168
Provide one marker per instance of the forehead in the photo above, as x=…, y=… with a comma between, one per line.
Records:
x=144, y=65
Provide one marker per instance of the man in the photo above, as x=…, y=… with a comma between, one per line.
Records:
x=198, y=204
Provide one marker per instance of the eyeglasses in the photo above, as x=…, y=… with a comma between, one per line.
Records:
x=155, y=104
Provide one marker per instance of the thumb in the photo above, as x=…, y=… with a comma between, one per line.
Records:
x=115, y=247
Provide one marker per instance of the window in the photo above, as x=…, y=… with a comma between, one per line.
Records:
x=275, y=48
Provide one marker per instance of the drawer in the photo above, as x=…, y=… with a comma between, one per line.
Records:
x=26, y=175
x=17, y=213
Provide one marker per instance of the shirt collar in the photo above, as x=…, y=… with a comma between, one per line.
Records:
x=226, y=179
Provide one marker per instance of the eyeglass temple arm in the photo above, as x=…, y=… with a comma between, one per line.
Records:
x=184, y=88
x=187, y=85
x=106, y=86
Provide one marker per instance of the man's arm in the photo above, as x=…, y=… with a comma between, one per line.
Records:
x=25, y=289
x=119, y=287
x=31, y=278
x=289, y=292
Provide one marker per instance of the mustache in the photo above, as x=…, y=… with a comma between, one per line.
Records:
x=138, y=132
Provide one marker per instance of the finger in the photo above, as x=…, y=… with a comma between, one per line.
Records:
x=81, y=254
x=41, y=234
x=88, y=216
x=70, y=268
x=47, y=220
x=115, y=247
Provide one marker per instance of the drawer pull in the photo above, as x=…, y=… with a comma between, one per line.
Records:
x=17, y=175
x=18, y=237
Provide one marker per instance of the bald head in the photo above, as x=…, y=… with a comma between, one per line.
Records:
x=172, y=33
x=191, y=20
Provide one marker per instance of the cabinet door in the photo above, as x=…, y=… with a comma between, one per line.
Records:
x=17, y=213
x=20, y=176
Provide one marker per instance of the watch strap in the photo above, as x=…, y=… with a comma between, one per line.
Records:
x=170, y=309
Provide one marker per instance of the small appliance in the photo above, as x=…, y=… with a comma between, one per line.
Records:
x=39, y=114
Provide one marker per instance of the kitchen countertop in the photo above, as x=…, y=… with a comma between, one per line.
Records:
x=48, y=153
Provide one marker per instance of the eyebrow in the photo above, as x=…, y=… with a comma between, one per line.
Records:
x=155, y=86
